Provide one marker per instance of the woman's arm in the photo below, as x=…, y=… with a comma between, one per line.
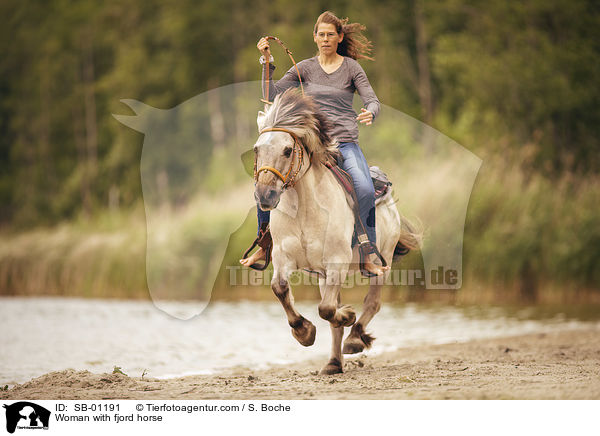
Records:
x=362, y=85
x=289, y=79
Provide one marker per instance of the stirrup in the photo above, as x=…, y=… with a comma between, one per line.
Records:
x=265, y=242
x=365, y=249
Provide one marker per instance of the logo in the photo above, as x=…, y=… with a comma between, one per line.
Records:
x=26, y=415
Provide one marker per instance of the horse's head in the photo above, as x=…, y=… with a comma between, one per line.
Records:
x=279, y=160
x=292, y=133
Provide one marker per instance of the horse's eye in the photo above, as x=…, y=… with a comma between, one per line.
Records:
x=255, y=149
x=287, y=151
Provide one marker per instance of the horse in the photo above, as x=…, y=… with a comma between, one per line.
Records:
x=312, y=224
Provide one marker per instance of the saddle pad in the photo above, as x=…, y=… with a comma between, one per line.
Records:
x=381, y=183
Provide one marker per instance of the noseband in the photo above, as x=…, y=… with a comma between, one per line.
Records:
x=289, y=179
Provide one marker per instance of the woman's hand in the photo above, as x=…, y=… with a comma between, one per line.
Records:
x=263, y=47
x=365, y=117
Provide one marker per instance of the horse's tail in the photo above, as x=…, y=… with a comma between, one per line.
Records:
x=411, y=237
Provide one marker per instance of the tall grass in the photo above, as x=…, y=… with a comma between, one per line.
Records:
x=75, y=260
x=532, y=232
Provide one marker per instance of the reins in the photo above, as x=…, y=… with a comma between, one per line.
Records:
x=287, y=50
x=287, y=179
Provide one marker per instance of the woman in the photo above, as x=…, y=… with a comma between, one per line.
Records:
x=331, y=78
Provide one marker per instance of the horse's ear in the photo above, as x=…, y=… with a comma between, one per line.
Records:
x=143, y=115
x=260, y=120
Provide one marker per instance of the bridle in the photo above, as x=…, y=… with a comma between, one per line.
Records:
x=289, y=179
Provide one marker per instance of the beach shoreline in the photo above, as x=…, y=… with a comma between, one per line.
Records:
x=556, y=365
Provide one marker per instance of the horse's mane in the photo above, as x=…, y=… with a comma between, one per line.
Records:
x=298, y=113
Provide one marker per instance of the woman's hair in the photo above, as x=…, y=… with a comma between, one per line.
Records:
x=354, y=44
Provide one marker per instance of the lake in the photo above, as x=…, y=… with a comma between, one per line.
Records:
x=40, y=335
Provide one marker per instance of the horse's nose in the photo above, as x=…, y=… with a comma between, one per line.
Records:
x=267, y=198
x=271, y=194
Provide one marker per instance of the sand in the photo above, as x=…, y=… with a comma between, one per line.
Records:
x=560, y=365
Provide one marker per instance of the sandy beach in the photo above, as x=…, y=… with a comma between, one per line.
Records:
x=559, y=365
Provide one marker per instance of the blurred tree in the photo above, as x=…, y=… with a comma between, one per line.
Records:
x=523, y=71
x=489, y=73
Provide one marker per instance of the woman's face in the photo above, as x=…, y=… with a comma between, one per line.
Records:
x=327, y=39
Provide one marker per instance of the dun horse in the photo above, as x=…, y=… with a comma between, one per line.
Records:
x=312, y=224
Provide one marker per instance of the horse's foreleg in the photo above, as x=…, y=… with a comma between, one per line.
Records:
x=302, y=329
x=335, y=364
x=329, y=307
x=358, y=339
x=336, y=359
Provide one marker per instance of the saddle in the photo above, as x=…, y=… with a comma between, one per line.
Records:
x=380, y=180
x=382, y=185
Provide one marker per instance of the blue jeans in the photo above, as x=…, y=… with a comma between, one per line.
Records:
x=356, y=165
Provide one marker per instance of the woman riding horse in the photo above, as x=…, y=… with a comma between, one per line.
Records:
x=331, y=78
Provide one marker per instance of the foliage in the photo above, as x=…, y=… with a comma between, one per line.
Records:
x=502, y=75
x=118, y=370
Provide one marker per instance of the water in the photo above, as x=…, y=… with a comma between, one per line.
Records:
x=40, y=335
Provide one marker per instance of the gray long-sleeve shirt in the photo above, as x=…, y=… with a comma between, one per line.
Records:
x=332, y=92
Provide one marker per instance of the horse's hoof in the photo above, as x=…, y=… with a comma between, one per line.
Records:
x=334, y=366
x=304, y=332
x=353, y=345
x=357, y=340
